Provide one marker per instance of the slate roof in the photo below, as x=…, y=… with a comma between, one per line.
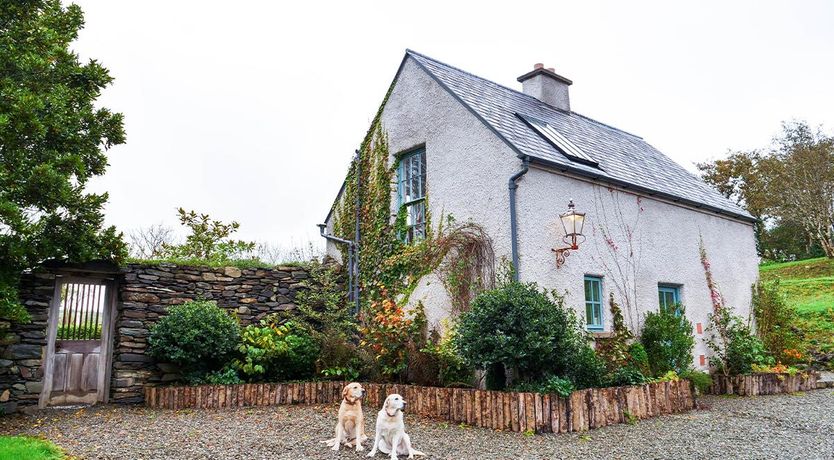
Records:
x=624, y=159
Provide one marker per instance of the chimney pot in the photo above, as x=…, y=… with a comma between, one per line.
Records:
x=547, y=86
x=551, y=69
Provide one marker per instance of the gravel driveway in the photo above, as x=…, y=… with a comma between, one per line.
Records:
x=785, y=426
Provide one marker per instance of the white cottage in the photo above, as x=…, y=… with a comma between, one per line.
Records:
x=512, y=160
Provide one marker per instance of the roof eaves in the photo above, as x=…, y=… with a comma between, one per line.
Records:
x=639, y=189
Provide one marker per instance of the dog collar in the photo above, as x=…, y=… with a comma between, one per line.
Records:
x=391, y=415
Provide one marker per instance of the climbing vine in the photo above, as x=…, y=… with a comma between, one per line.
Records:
x=460, y=254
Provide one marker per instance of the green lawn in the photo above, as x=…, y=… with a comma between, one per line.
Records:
x=808, y=286
x=22, y=447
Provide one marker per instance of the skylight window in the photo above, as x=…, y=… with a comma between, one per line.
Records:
x=560, y=142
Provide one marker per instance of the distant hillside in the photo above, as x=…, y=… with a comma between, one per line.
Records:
x=808, y=284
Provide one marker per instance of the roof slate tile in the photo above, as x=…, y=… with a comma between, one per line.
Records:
x=623, y=158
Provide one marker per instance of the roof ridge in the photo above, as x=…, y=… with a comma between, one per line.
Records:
x=521, y=93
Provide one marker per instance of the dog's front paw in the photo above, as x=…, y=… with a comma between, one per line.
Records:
x=335, y=447
x=372, y=453
x=393, y=456
x=410, y=455
x=359, y=448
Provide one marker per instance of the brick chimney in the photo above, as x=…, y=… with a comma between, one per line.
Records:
x=547, y=86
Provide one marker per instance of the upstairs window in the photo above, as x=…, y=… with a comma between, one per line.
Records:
x=593, y=303
x=669, y=296
x=411, y=193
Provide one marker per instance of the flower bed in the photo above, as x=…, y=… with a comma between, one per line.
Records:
x=509, y=411
x=763, y=383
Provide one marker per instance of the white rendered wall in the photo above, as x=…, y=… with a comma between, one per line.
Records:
x=664, y=248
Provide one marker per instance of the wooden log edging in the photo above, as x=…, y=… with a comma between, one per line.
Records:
x=498, y=410
x=763, y=384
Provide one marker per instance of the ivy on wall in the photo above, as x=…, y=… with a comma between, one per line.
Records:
x=460, y=253
x=390, y=268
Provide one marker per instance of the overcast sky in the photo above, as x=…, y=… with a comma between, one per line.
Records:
x=250, y=111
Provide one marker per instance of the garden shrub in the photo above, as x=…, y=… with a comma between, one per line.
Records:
x=528, y=333
x=387, y=332
x=735, y=348
x=639, y=359
x=550, y=385
x=775, y=321
x=225, y=376
x=198, y=336
x=273, y=352
x=776, y=369
x=451, y=368
x=614, y=351
x=668, y=340
x=627, y=376
x=702, y=381
x=583, y=367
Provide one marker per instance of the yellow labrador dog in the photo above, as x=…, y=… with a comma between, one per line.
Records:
x=350, y=427
x=390, y=436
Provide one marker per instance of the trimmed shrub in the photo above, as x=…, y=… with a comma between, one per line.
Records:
x=668, y=340
x=198, y=336
x=521, y=329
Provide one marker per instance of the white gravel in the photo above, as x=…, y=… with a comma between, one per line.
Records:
x=785, y=426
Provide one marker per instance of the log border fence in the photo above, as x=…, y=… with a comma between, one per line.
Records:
x=498, y=410
x=763, y=384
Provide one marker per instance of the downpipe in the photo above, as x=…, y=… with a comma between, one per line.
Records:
x=513, y=186
x=353, y=278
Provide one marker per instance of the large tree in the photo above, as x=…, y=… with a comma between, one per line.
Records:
x=802, y=184
x=52, y=141
x=788, y=187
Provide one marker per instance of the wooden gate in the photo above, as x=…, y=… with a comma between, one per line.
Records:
x=79, y=342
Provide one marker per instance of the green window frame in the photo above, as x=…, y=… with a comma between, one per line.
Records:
x=594, y=320
x=411, y=194
x=669, y=296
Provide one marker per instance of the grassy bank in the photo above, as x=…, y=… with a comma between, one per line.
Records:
x=809, y=287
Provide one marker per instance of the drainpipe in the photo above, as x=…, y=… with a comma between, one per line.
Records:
x=353, y=281
x=513, y=185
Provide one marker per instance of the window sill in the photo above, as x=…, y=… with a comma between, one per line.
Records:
x=601, y=334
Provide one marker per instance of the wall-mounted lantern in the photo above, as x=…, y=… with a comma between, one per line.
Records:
x=572, y=224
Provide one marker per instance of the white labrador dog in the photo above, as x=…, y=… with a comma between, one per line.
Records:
x=390, y=436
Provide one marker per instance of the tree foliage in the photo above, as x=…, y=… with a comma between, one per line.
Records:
x=789, y=187
x=209, y=240
x=52, y=142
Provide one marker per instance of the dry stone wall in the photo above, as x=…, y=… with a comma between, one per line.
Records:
x=22, y=346
x=146, y=292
